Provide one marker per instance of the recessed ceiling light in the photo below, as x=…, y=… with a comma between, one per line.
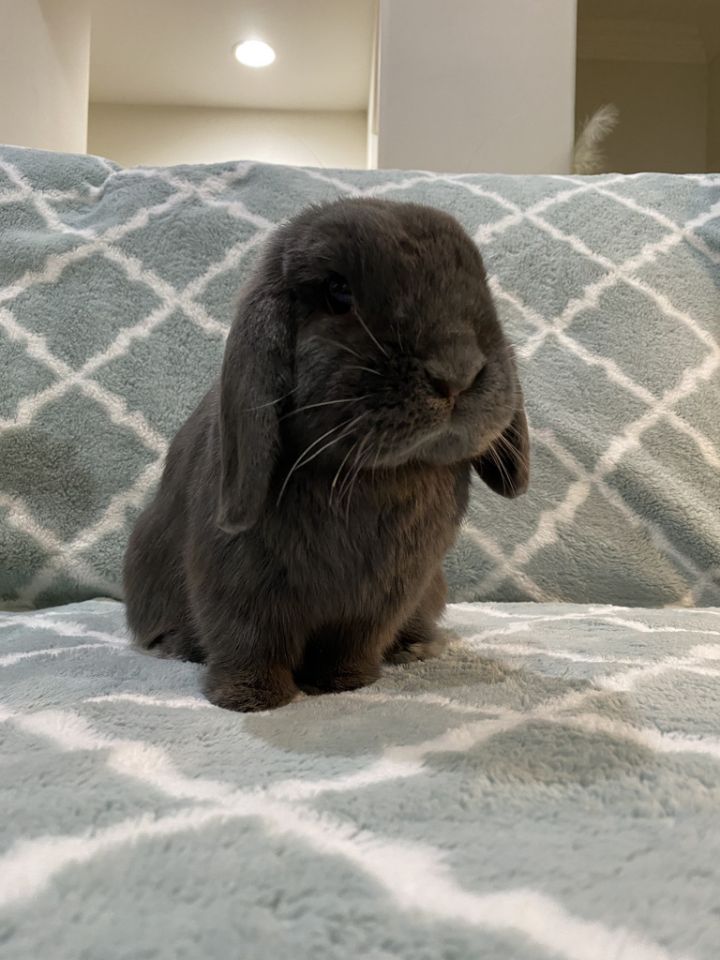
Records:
x=254, y=53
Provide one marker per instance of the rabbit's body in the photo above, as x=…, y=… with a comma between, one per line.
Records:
x=297, y=537
x=354, y=568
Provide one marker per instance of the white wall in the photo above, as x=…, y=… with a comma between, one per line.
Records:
x=44, y=73
x=473, y=85
x=131, y=134
x=663, y=113
x=373, y=97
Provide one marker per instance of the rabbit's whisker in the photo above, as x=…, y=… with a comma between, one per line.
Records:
x=362, y=459
x=380, y=445
x=497, y=460
x=348, y=475
x=372, y=336
x=511, y=449
x=353, y=474
x=270, y=403
x=374, y=468
x=340, y=346
x=358, y=446
x=366, y=369
x=351, y=450
x=323, y=403
x=358, y=465
x=303, y=458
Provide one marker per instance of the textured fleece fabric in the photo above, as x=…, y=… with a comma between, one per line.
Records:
x=117, y=290
x=550, y=790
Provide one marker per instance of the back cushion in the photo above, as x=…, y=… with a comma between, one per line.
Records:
x=117, y=290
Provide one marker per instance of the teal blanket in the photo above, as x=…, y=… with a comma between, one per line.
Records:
x=547, y=791
x=117, y=289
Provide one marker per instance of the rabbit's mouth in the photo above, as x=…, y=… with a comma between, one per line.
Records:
x=436, y=432
x=458, y=438
x=388, y=411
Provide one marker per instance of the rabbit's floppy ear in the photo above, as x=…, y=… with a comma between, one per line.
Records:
x=256, y=375
x=505, y=466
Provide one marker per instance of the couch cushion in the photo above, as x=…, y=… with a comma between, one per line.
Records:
x=548, y=789
x=117, y=289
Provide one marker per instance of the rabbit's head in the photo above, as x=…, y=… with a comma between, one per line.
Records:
x=367, y=335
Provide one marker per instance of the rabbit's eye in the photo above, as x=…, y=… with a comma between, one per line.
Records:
x=338, y=294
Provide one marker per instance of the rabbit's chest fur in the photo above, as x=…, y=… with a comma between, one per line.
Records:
x=370, y=556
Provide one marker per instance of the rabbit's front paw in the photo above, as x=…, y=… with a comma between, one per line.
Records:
x=247, y=693
x=411, y=646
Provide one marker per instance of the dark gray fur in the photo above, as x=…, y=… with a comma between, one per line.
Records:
x=285, y=570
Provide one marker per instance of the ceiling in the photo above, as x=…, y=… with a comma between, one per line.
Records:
x=180, y=52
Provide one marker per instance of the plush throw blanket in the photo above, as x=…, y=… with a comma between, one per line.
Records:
x=117, y=289
x=547, y=791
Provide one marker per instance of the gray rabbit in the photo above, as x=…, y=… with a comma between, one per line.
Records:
x=298, y=533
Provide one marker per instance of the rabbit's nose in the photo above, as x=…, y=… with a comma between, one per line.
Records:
x=448, y=385
x=446, y=389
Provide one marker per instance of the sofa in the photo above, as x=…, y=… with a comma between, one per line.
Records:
x=550, y=788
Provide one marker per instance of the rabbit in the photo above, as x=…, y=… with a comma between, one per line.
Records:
x=298, y=533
